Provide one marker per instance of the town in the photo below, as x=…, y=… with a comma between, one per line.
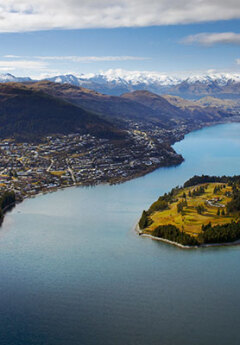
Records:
x=60, y=161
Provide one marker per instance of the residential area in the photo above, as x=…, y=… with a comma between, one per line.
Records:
x=65, y=160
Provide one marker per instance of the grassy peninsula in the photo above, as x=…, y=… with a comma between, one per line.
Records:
x=206, y=210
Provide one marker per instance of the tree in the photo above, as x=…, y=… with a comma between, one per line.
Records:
x=145, y=221
x=200, y=209
x=179, y=207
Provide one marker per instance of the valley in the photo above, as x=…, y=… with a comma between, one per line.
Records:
x=56, y=135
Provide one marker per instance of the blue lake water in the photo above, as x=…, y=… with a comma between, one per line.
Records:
x=73, y=271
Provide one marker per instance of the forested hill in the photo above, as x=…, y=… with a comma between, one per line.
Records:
x=137, y=106
x=30, y=114
x=112, y=107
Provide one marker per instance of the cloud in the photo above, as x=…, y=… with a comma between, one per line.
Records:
x=44, y=64
x=209, y=39
x=30, y=15
x=84, y=59
x=87, y=59
x=23, y=64
x=12, y=56
x=238, y=61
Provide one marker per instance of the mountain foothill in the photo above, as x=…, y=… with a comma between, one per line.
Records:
x=30, y=110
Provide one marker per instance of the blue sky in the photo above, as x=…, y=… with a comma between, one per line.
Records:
x=178, y=48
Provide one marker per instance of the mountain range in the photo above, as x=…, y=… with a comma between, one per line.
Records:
x=29, y=114
x=117, y=82
x=141, y=105
x=31, y=110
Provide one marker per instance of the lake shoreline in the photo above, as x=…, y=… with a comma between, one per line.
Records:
x=179, y=245
x=174, y=162
x=115, y=181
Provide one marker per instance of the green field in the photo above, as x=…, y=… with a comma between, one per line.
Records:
x=213, y=201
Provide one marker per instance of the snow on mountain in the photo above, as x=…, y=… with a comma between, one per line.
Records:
x=119, y=81
x=221, y=79
x=141, y=79
x=65, y=79
x=120, y=76
x=123, y=77
x=4, y=78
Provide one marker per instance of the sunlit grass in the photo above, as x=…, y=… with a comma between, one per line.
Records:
x=58, y=173
x=190, y=221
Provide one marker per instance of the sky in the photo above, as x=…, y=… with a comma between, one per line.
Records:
x=175, y=37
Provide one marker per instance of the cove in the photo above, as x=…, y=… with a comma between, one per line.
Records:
x=73, y=271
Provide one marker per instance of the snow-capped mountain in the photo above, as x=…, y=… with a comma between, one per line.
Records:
x=4, y=78
x=118, y=81
x=65, y=79
x=120, y=76
x=221, y=79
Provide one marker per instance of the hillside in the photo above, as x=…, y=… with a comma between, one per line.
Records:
x=200, y=212
x=225, y=104
x=208, y=105
x=197, y=89
x=176, y=108
x=136, y=106
x=189, y=218
x=162, y=108
x=200, y=109
x=180, y=102
x=29, y=114
x=35, y=109
x=111, y=107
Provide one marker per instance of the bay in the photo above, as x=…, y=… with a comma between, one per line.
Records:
x=74, y=272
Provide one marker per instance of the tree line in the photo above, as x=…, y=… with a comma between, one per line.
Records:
x=195, y=180
x=172, y=233
x=7, y=199
x=210, y=234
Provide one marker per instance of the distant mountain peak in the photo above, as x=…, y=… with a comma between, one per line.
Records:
x=8, y=77
x=119, y=81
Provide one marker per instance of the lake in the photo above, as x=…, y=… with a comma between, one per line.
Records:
x=74, y=272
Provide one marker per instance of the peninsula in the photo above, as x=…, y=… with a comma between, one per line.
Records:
x=204, y=212
x=54, y=136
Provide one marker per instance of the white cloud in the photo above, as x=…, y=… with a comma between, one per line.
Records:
x=91, y=58
x=12, y=56
x=7, y=69
x=30, y=15
x=209, y=39
x=45, y=64
x=22, y=64
x=84, y=59
x=238, y=61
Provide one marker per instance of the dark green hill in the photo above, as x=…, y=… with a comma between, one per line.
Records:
x=30, y=114
x=167, y=109
x=137, y=106
x=162, y=108
x=111, y=107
